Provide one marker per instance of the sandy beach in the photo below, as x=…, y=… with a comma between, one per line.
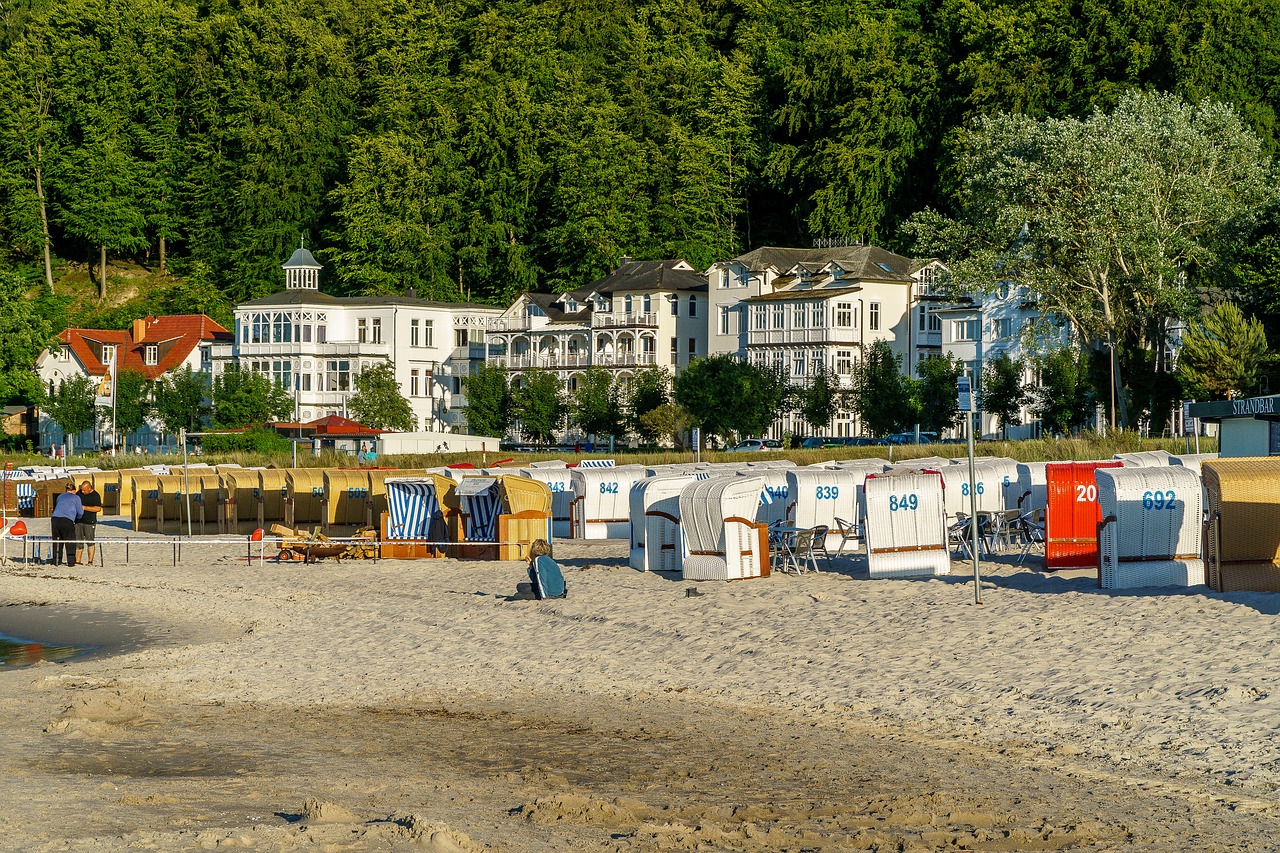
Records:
x=411, y=706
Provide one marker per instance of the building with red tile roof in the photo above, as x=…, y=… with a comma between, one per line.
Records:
x=152, y=346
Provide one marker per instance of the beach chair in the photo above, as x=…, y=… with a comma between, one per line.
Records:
x=1243, y=528
x=1151, y=527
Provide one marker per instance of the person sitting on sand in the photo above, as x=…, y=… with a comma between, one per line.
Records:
x=547, y=579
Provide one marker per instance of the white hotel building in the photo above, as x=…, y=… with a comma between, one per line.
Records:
x=316, y=344
x=805, y=309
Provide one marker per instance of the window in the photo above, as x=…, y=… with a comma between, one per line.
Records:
x=648, y=303
x=693, y=347
x=461, y=338
x=626, y=303
x=873, y=316
x=415, y=333
x=321, y=336
x=304, y=382
x=760, y=317
x=817, y=361
x=306, y=333
x=964, y=330
x=675, y=306
x=675, y=350
x=799, y=316
x=109, y=355
x=844, y=315
x=338, y=376
x=151, y=354
x=413, y=383
x=724, y=319
x=818, y=315
x=282, y=373
x=779, y=316
x=377, y=330
x=693, y=306
x=281, y=329
x=797, y=364
x=1004, y=328
x=362, y=330
x=844, y=362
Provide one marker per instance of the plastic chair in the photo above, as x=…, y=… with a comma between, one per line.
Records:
x=801, y=547
x=960, y=536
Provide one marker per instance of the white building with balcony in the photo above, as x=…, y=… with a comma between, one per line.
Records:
x=316, y=344
x=979, y=327
x=805, y=310
x=647, y=313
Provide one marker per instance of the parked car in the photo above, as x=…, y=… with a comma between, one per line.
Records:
x=815, y=442
x=857, y=441
x=757, y=444
x=910, y=438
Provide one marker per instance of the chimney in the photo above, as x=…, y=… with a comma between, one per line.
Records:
x=139, y=330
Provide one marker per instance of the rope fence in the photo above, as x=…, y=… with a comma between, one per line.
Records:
x=34, y=546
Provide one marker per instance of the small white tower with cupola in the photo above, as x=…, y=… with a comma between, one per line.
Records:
x=301, y=271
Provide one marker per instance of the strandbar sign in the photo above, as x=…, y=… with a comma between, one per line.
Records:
x=1249, y=427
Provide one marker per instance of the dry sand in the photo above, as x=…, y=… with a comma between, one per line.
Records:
x=410, y=706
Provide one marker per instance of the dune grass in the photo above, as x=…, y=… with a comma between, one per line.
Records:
x=1031, y=450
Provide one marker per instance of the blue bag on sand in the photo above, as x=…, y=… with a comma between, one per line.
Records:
x=548, y=582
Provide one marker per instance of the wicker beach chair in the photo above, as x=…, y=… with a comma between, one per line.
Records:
x=1243, y=528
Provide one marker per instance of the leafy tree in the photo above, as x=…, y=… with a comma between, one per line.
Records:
x=71, y=405
x=488, y=401
x=597, y=408
x=1223, y=353
x=379, y=402
x=253, y=440
x=1063, y=399
x=26, y=329
x=821, y=399
x=538, y=405
x=1002, y=392
x=1106, y=220
x=650, y=389
x=728, y=397
x=133, y=401
x=180, y=397
x=883, y=397
x=242, y=397
x=668, y=421
x=195, y=293
x=936, y=392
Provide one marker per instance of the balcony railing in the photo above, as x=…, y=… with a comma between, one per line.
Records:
x=802, y=336
x=647, y=320
x=573, y=361
x=332, y=349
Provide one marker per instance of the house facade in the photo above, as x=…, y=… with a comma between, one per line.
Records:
x=806, y=311
x=315, y=344
x=979, y=327
x=152, y=346
x=646, y=314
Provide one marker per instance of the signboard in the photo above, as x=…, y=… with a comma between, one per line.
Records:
x=964, y=394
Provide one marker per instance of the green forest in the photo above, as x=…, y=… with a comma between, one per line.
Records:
x=475, y=150
x=472, y=151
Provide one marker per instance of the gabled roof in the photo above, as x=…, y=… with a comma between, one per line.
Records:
x=647, y=276
x=338, y=425
x=858, y=262
x=176, y=336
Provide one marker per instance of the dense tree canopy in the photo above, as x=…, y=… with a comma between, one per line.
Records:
x=476, y=150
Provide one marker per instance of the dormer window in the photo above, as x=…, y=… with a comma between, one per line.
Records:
x=151, y=355
x=108, y=355
x=571, y=305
